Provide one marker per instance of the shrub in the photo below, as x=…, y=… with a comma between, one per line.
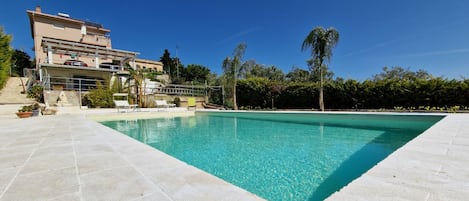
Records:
x=177, y=101
x=36, y=92
x=101, y=97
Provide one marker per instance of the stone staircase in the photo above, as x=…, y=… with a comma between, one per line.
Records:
x=11, y=93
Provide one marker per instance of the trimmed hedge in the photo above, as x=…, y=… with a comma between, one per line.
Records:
x=352, y=94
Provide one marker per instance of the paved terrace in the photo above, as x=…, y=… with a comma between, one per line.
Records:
x=69, y=157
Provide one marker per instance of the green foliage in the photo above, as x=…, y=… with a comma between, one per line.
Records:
x=254, y=92
x=321, y=42
x=196, y=74
x=152, y=75
x=20, y=60
x=412, y=94
x=5, y=57
x=101, y=96
x=173, y=67
x=26, y=108
x=30, y=108
x=251, y=69
x=232, y=70
x=177, y=101
x=36, y=92
x=298, y=75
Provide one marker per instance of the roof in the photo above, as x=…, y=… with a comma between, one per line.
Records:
x=92, y=25
x=67, y=47
x=148, y=61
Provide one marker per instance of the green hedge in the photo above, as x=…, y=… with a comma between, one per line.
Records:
x=352, y=94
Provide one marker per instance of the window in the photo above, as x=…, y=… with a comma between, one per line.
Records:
x=59, y=26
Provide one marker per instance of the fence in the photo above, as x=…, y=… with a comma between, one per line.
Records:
x=70, y=84
x=82, y=84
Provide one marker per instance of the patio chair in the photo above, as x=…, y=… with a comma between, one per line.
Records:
x=123, y=104
x=164, y=104
x=191, y=103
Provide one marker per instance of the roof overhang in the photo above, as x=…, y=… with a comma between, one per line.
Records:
x=80, y=49
x=79, y=68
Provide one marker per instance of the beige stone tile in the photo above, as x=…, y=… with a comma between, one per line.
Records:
x=123, y=183
x=92, y=163
x=67, y=197
x=5, y=177
x=84, y=149
x=43, y=186
x=153, y=158
x=57, y=140
x=158, y=195
x=25, y=141
x=13, y=161
x=50, y=158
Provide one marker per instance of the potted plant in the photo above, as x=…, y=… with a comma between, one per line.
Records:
x=25, y=112
x=36, y=109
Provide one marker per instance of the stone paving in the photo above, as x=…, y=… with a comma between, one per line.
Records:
x=433, y=166
x=69, y=157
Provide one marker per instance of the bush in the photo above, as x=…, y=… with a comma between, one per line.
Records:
x=100, y=97
x=177, y=101
x=352, y=94
x=36, y=92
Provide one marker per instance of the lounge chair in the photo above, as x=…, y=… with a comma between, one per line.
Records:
x=123, y=104
x=164, y=104
x=191, y=103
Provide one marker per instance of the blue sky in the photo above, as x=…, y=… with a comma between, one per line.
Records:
x=432, y=35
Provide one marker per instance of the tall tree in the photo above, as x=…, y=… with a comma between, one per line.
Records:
x=321, y=42
x=197, y=74
x=136, y=81
x=20, y=60
x=5, y=57
x=298, y=75
x=399, y=73
x=232, y=69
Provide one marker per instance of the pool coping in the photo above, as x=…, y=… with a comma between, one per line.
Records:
x=430, y=167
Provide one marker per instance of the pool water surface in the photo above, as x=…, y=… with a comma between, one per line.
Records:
x=279, y=156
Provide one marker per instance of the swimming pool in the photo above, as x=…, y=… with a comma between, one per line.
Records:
x=280, y=156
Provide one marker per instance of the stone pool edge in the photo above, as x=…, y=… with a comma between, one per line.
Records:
x=429, y=167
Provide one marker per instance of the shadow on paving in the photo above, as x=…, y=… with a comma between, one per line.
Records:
x=360, y=162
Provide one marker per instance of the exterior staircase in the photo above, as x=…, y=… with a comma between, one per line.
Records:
x=12, y=92
x=11, y=98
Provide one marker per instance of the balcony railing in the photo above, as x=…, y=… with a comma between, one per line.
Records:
x=96, y=40
x=182, y=90
x=81, y=84
x=70, y=84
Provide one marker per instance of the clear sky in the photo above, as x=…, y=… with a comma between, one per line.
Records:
x=418, y=34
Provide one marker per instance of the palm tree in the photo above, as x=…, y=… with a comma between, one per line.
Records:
x=136, y=80
x=232, y=68
x=321, y=41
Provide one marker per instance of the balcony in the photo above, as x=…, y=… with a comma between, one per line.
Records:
x=98, y=40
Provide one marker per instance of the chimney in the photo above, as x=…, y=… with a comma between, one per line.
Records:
x=38, y=9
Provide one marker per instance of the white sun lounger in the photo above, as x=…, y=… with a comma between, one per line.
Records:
x=123, y=104
x=164, y=104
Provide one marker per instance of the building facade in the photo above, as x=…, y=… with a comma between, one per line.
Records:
x=69, y=49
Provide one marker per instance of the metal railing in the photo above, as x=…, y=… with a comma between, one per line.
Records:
x=182, y=90
x=70, y=84
x=82, y=84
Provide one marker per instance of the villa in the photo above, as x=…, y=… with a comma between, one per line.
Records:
x=72, y=55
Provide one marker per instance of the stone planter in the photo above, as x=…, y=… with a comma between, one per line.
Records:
x=24, y=114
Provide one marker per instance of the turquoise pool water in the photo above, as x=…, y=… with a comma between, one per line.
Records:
x=282, y=156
